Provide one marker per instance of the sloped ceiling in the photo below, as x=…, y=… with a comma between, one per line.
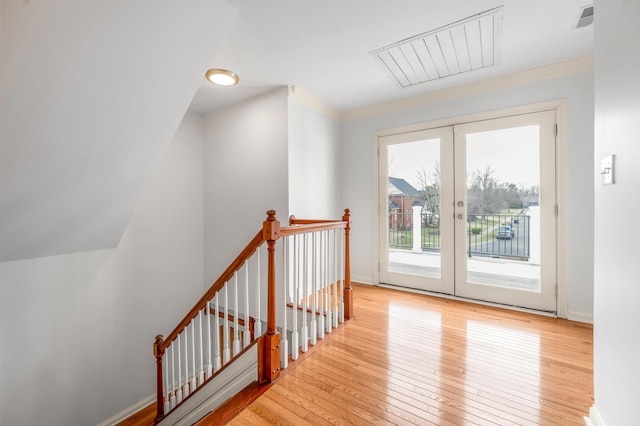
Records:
x=91, y=94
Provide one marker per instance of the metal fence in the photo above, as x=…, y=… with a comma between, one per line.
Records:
x=503, y=235
x=500, y=235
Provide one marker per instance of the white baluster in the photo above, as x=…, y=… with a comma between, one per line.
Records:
x=294, y=309
x=201, y=371
x=167, y=395
x=226, y=356
x=320, y=267
x=186, y=391
x=342, y=277
x=258, y=325
x=173, y=378
x=314, y=287
x=334, y=303
x=305, y=331
x=284, y=346
x=209, y=365
x=192, y=384
x=179, y=395
x=247, y=333
x=327, y=283
x=217, y=364
x=236, y=327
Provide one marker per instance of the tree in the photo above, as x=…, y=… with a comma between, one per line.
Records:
x=510, y=195
x=483, y=195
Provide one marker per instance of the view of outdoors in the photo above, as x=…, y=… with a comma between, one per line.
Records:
x=503, y=191
x=502, y=207
x=414, y=180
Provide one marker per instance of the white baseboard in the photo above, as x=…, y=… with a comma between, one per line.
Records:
x=580, y=315
x=128, y=412
x=594, y=418
x=362, y=280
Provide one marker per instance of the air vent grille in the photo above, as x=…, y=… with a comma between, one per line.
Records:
x=585, y=17
x=463, y=46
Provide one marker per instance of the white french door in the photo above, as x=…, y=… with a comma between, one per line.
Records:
x=420, y=257
x=470, y=210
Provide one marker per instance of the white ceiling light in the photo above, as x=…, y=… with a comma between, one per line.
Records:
x=222, y=77
x=463, y=46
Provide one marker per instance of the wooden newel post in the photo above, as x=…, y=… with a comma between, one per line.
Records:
x=348, y=294
x=271, y=369
x=158, y=352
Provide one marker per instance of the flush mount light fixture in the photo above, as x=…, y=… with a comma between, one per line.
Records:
x=222, y=77
x=469, y=44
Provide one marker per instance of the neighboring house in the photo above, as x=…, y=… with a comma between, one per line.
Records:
x=531, y=200
x=402, y=197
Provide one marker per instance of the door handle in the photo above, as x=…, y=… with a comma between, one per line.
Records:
x=460, y=203
x=460, y=216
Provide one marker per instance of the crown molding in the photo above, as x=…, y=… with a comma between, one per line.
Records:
x=306, y=99
x=548, y=72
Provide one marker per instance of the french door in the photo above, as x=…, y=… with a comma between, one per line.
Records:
x=470, y=210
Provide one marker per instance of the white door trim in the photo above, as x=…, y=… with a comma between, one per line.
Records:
x=559, y=106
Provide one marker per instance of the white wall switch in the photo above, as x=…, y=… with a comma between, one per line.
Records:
x=607, y=165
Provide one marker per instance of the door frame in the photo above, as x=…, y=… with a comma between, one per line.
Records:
x=559, y=107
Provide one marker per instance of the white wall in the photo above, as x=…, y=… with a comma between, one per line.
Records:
x=91, y=94
x=357, y=169
x=77, y=329
x=314, y=163
x=617, y=288
x=245, y=174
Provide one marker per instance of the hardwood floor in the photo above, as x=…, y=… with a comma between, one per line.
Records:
x=413, y=359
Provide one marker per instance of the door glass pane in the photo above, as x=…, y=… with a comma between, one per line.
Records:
x=414, y=208
x=503, y=211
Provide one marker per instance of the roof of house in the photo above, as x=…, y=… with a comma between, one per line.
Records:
x=403, y=186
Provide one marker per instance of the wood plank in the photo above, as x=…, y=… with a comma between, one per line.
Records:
x=421, y=359
x=407, y=358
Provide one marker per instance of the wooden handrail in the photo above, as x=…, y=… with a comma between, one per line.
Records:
x=269, y=343
x=251, y=248
x=295, y=221
x=311, y=227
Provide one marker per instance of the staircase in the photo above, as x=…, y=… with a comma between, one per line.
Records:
x=256, y=317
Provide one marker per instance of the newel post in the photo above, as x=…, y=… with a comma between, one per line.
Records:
x=348, y=294
x=158, y=352
x=271, y=348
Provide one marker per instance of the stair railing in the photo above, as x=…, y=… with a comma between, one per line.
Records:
x=228, y=318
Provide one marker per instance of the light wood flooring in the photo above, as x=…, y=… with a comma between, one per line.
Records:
x=412, y=359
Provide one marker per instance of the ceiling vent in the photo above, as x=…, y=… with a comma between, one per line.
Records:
x=463, y=46
x=585, y=17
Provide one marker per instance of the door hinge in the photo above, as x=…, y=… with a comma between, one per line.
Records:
x=556, y=130
x=556, y=290
x=378, y=266
x=556, y=210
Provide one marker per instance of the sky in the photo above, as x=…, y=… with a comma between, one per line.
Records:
x=514, y=155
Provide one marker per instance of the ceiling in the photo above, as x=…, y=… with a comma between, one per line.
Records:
x=323, y=47
x=78, y=147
